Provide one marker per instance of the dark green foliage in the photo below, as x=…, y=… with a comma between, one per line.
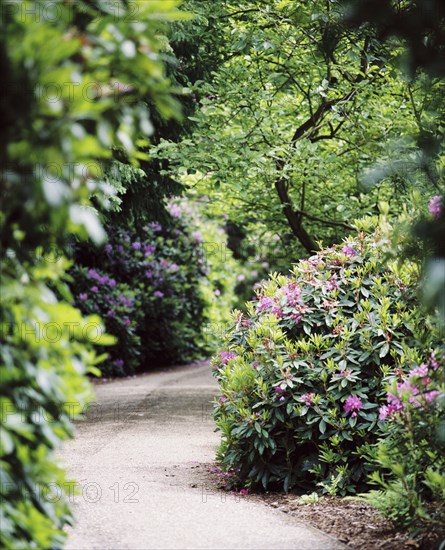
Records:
x=145, y=285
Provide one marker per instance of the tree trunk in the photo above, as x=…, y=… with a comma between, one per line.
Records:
x=294, y=218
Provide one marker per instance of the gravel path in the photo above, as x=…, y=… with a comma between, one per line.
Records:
x=140, y=458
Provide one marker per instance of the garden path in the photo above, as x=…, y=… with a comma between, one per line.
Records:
x=140, y=458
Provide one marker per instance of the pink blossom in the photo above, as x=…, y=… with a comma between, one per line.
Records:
x=197, y=237
x=296, y=317
x=383, y=412
x=277, y=311
x=332, y=283
x=344, y=373
x=436, y=207
x=421, y=371
x=292, y=292
x=308, y=399
x=265, y=303
x=431, y=395
x=353, y=404
x=175, y=211
x=226, y=356
x=349, y=251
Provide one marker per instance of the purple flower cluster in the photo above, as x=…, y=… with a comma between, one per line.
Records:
x=226, y=356
x=127, y=302
x=308, y=399
x=293, y=293
x=436, y=207
x=352, y=405
x=175, y=211
x=197, y=237
x=331, y=283
x=417, y=390
x=156, y=226
x=102, y=279
x=349, y=250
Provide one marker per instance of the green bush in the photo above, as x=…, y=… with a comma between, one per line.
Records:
x=46, y=349
x=302, y=375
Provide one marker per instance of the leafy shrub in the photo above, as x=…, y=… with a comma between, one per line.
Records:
x=55, y=58
x=121, y=311
x=409, y=459
x=46, y=349
x=145, y=285
x=302, y=375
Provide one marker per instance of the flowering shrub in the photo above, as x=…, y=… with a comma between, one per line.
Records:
x=303, y=374
x=410, y=458
x=120, y=308
x=144, y=284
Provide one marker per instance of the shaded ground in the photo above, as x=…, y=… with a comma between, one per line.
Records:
x=141, y=458
x=356, y=524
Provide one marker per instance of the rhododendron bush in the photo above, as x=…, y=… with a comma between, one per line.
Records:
x=303, y=375
x=144, y=283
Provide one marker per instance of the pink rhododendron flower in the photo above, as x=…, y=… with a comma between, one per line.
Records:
x=175, y=211
x=383, y=412
x=332, y=283
x=292, y=292
x=421, y=371
x=277, y=311
x=353, y=404
x=296, y=317
x=436, y=207
x=225, y=356
x=348, y=250
x=265, y=302
x=431, y=395
x=156, y=226
x=308, y=399
x=197, y=237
